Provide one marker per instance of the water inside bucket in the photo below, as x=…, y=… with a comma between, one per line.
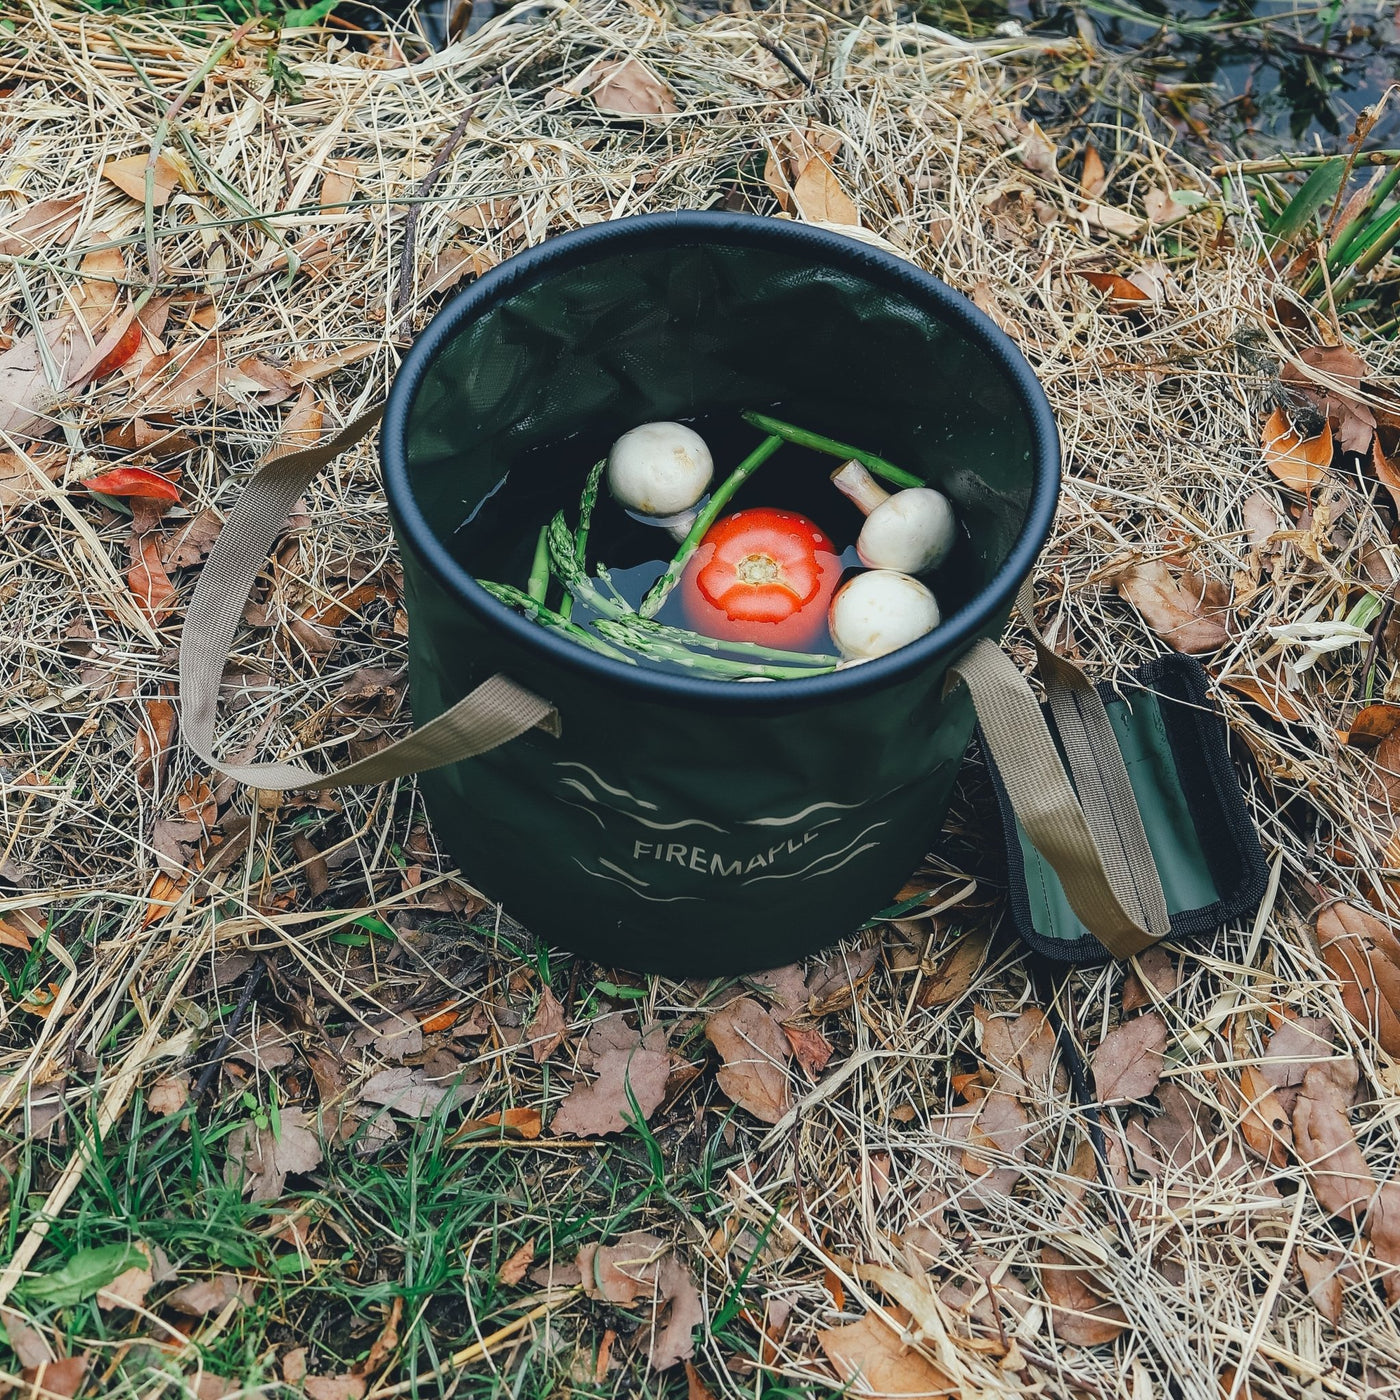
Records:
x=497, y=540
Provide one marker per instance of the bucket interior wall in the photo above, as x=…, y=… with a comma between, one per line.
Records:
x=674, y=331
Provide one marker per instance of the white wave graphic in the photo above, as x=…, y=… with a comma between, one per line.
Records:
x=805, y=812
x=819, y=806
x=589, y=810
x=829, y=855
x=613, y=880
x=623, y=812
x=626, y=874
x=607, y=786
x=832, y=869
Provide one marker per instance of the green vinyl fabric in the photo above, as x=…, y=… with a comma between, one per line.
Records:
x=675, y=824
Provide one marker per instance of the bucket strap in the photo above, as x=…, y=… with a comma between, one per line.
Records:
x=1093, y=838
x=497, y=711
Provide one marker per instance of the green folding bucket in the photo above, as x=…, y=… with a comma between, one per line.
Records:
x=650, y=820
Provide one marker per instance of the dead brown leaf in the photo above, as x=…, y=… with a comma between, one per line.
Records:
x=208, y=1295
x=1077, y=1312
x=1092, y=179
x=515, y=1268
x=1351, y=419
x=1300, y=463
x=1022, y=1052
x=1158, y=969
x=27, y=1343
x=262, y=1160
x=1268, y=693
x=1162, y=208
x=871, y=1359
x=169, y=1094
x=189, y=544
x=338, y=184
x=1364, y=956
x=955, y=974
x=604, y=1106
x=1038, y=152
x=385, y=1344
x=43, y=221
x=302, y=425
x=19, y=485
x=149, y=583
x=417, y=1093
x=1189, y=620
x=1338, y=1173
x=1128, y=1061
x=313, y=863
x=154, y=738
x=1297, y=1044
x=695, y=1387
x=129, y=176
x=755, y=1053
x=1265, y=1125
x=57, y=1379
x=818, y=194
x=129, y=1288
x=1118, y=289
x=999, y=1129
x=642, y=1271
x=1385, y=471
x=810, y=1047
x=1177, y=1139
x=294, y=1365
x=629, y=89
x=342, y=1387
x=1323, y=1282
x=547, y=1027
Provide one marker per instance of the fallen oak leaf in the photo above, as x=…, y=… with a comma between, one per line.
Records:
x=154, y=740
x=205, y=1296
x=810, y=1047
x=262, y=1159
x=955, y=975
x=57, y=1379
x=626, y=1077
x=547, y=1027
x=872, y=1359
x=1092, y=178
x=1338, y=1173
x=1078, y=1314
x=1385, y=471
x=129, y=176
x=755, y=1053
x=629, y=89
x=1370, y=725
x=341, y=1387
x=1118, y=289
x=1265, y=1125
x=112, y=351
x=385, y=1344
x=1364, y=956
x=1268, y=693
x=819, y=196
x=509, y=1122
x=1128, y=1062
x=641, y=1269
x=1186, y=621
x=515, y=1268
x=1300, y=463
x=1323, y=1280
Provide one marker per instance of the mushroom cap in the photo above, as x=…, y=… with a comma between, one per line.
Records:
x=911, y=532
x=659, y=468
x=879, y=612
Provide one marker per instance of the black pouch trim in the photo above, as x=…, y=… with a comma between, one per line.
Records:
x=1197, y=734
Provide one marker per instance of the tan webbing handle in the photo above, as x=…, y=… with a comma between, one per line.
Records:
x=495, y=712
x=1094, y=841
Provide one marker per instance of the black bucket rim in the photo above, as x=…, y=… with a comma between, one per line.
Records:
x=688, y=228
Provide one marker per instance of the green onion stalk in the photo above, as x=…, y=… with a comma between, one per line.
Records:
x=802, y=437
x=661, y=589
x=586, y=503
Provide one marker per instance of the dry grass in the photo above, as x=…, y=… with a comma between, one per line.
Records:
x=1160, y=412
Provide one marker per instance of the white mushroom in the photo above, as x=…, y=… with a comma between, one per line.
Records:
x=910, y=531
x=660, y=471
x=879, y=612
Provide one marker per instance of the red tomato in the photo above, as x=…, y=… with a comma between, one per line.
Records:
x=762, y=576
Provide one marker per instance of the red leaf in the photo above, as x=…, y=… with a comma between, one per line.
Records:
x=133, y=481
x=127, y=344
x=1118, y=288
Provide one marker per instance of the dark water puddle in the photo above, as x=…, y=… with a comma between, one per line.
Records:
x=1249, y=78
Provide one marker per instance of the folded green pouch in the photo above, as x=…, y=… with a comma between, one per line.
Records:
x=1203, y=843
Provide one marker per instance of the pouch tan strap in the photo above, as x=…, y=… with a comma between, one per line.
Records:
x=1112, y=885
x=497, y=711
